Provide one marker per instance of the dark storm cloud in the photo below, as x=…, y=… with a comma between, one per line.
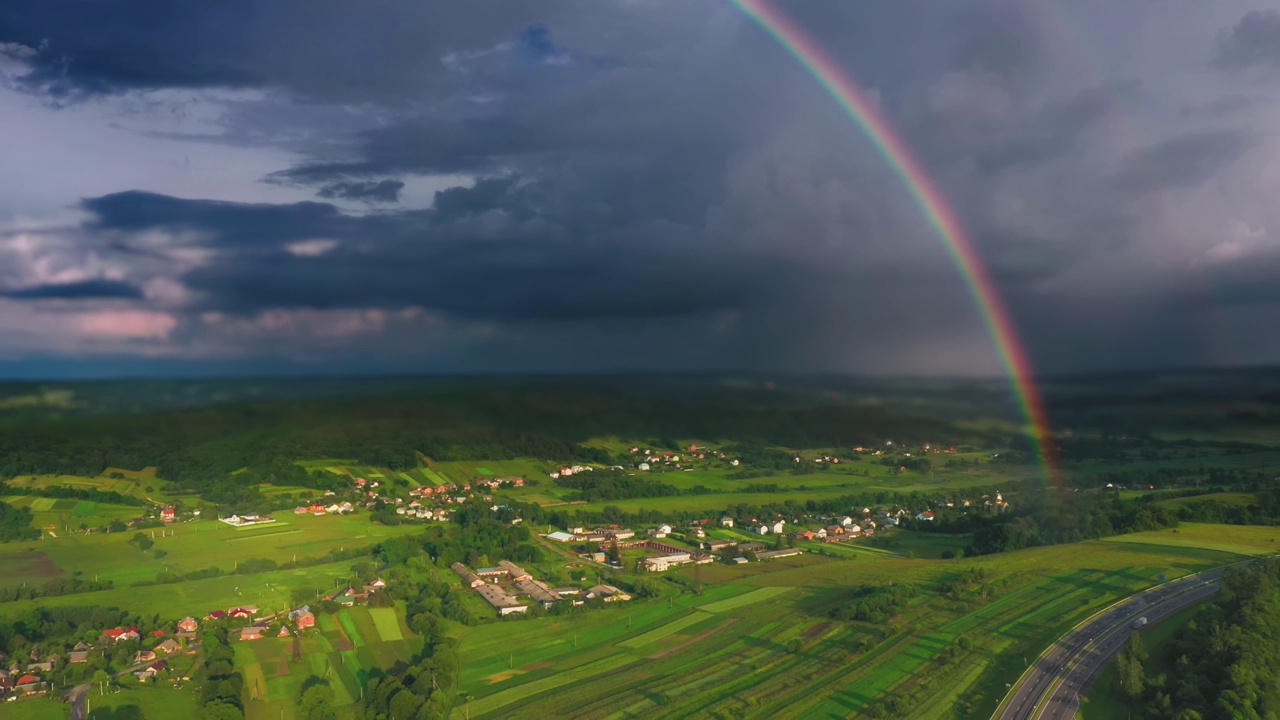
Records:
x=1252, y=42
x=447, y=259
x=659, y=170
x=387, y=191
x=1186, y=160
x=82, y=290
x=324, y=49
x=231, y=223
x=503, y=281
x=1050, y=133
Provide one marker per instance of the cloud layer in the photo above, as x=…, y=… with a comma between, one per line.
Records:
x=574, y=185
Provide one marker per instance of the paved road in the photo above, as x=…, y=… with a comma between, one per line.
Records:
x=1051, y=688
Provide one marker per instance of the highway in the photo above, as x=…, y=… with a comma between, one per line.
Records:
x=1051, y=687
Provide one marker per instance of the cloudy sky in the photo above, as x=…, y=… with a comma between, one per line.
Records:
x=559, y=185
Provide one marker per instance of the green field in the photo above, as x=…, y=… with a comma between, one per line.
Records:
x=191, y=546
x=165, y=701
x=760, y=643
x=341, y=649
x=36, y=709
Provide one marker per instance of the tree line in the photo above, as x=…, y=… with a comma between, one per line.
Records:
x=1222, y=664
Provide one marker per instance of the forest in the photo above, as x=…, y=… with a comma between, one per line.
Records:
x=198, y=448
x=1222, y=664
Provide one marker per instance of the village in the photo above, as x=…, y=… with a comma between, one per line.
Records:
x=150, y=654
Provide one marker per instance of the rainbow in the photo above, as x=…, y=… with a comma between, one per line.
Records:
x=941, y=217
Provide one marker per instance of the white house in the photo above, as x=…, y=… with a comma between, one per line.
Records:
x=643, y=466
x=779, y=527
x=846, y=521
x=726, y=521
x=735, y=462
x=762, y=529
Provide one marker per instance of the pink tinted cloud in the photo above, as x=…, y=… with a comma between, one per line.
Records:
x=142, y=324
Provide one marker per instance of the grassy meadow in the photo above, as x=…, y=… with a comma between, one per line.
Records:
x=188, y=546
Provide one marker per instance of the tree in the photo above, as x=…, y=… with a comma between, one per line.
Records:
x=316, y=702
x=1129, y=663
x=101, y=678
x=221, y=711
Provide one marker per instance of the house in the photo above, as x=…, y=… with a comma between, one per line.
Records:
x=145, y=674
x=378, y=583
x=78, y=656
x=168, y=515
x=846, y=521
x=805, y=535
x=144, y=656
x=216, y=615
x=926, y=516
x=188, y=624
x=659, y=532
x=46, y=667
x=251, y=633
x=560, y=536
x=835, y=530
x=247, y=611
x=820, y=534
x=779, y=527
x=608, y=593
x=739, y=560
x=28, y=684
x=303, y=617
x=855, y=531
x=726, y=521
x=762, y=529
x=159, y=665
x=166, y=647
x=644, y=466
x=122, y=634
x=156, y=633
x=284, y=631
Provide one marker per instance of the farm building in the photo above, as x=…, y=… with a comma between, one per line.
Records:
x=560, y=536
x=772, y=554
x=663, y=562
x=538, y=590
x=469, y=578
x=515, y=571
x=608, y=593
x=500, y=600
